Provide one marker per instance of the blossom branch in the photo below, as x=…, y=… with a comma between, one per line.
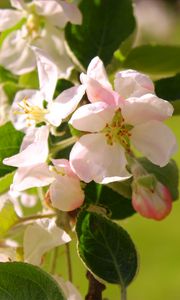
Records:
x=95, y=288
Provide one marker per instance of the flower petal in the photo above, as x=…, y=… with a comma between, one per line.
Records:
x=97, y=71
x=52, y=41
x=40, y=237
x=155, y=140
x=146, y=108
x=92, y=117
x=32, y=176
x=91, y=158
x=63, y=198
x=16, y=55
x=130, y=83
x=68, y=100
x=47, y=72
x=9, y=18
x=18, y=4
x=96, y=92
x=39, y=147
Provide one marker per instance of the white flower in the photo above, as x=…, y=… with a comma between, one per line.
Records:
x=40, y=237
x=38, y=24
x=114, y=122
x=31, y=107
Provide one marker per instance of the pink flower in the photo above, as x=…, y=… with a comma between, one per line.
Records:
x=113, y=123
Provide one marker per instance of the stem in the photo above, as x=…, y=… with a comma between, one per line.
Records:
x=68, y=255
x=35, y=217
x=62, y=145
x=95, y=288
x=54, y=261
x=123, y=292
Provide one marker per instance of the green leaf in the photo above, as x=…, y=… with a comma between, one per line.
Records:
x=5, y=182
x=10, y=89
x=154, y=59
x=168, y=175
x=8, y=218
x=29, y=80
x=5, y=33
x=10, y=142
x=168, y=88
x=106, y=24
x=21, y=281
x=117, y=206
x=6, y=75
x=106, y=248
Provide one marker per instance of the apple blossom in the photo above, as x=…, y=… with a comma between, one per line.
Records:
x=31, y=107
x=37, y=23
x=114, y=122
x=40, y=237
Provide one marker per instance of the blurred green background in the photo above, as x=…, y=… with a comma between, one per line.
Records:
x=158, y=243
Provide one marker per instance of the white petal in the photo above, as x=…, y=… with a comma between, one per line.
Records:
x=155, y=140
x=66, y=193
x=52, y=41
x=146, y=108
x=19, y=4
x=97, y=71
x=70, y=291
x=131, y=83
x=68, y=100
x=48, y=73
x=34, y=153
x=41, y=237
x=16, y=55
x=91, y=158
x=9, y=18
x=34, y=98
x=32, y=176
x=92, y=117
x=97, y=92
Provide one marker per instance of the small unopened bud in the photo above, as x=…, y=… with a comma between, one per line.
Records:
x=152, y=201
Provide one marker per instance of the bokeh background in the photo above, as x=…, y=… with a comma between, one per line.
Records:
x=158, y=243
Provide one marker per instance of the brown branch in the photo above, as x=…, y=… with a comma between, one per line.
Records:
x=95, y=288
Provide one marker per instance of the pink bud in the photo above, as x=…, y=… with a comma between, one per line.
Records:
x=152, y=203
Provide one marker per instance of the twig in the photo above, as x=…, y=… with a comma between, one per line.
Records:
x=95, y=288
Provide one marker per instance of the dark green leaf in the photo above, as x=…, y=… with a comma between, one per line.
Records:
x=168, y=175
x=117, y=206
x=10, y=142
x=106, y=24
x=168, y=88
x=20, y=281
x=62, y=84
x=154, y=59
x=106, y=248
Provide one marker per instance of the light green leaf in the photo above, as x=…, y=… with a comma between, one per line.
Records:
x=106, y=248
x=5, y=182
x=10, y=142
x=29, y=80
x=20, y=281
x=154, y=59
x=8, y=217
x=106, y=24
x=6, y=75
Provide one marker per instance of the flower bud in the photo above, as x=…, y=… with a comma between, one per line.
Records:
x=151, y=198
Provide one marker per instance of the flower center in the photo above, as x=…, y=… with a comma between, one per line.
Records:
x=33, y=26
x=118, y=132
x=32, y=112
